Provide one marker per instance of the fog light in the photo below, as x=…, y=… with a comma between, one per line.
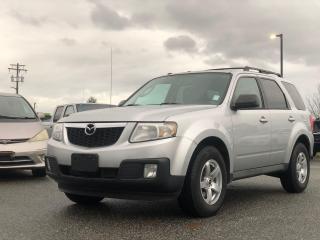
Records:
x=150, y=170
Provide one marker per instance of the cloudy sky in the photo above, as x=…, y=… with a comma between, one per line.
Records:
x=66, y=44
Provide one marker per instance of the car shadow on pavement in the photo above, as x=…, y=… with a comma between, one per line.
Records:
x=128, y=208
x=17, y=175
x=243, y=196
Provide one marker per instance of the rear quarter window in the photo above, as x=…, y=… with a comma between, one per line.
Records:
x=295, y=95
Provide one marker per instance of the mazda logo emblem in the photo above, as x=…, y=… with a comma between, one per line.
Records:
x=90, y=129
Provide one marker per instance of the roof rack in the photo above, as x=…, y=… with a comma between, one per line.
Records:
x=248, y=68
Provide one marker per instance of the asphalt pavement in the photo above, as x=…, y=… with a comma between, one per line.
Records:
x=256, y=208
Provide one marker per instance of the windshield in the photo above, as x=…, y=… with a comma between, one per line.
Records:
x=193, y=88
x=14, y=107
x=87, y=107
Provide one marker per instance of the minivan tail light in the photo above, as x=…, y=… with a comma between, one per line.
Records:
x=312, y=119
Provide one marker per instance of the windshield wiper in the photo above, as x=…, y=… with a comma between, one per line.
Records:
x=132, y=104
x=169, y=103
x=26, y=118
x=12, y=117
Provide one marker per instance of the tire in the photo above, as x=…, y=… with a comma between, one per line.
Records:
x=296, y=178
x=83, y=200
x=40, y=172
x=195, y=199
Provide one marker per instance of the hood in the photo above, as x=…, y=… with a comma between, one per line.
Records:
x=19, y=130
x=134, y=113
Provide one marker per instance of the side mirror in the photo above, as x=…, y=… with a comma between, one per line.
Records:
x=121, y=103
x=246, y=101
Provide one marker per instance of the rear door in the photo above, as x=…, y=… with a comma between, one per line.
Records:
x=251, y=129
x=281, y=117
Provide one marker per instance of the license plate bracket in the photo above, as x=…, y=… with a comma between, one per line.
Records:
x=84, y=162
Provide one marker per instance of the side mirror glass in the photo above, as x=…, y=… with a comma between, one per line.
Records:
x=246, y=101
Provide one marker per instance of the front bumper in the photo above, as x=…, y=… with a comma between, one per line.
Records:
x=125, y=182
x=26, y=155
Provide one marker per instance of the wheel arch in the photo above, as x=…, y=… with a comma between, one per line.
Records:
x=220, y=145
x=304, y=140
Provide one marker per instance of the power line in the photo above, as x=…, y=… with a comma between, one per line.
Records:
x=18, y=69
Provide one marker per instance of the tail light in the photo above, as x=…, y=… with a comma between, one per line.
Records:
x=312, y=119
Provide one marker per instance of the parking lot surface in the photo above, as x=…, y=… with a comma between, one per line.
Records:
x=255, y=208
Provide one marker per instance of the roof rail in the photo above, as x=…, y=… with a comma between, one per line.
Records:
x=248, y=68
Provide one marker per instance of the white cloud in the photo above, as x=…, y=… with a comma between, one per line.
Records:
x=65, y=44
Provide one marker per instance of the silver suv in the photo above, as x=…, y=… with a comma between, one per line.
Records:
x=187, y=136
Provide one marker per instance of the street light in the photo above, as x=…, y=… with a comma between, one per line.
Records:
x=274, y=36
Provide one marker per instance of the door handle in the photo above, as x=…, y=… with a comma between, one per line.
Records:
x=291, y=119
x=263, y=120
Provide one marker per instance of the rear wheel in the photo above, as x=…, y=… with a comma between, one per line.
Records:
x=296, y=178
x=83, y=200
x=40, y=172
x=205, y=185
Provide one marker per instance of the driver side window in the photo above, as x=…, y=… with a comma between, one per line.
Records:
x=247, y=86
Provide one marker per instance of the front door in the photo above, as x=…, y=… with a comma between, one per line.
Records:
x=251, y=129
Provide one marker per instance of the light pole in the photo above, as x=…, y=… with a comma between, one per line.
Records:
x=280, y=35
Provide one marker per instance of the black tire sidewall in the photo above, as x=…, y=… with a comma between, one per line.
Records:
x=298, y=186
x=200, y=206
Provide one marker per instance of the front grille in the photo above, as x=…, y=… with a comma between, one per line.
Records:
x=5, y=158
x=102, y=136
x=101, y=173
x=14, y=160
x=11, y=141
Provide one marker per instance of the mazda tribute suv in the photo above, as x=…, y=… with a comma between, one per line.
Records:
x=187, y=136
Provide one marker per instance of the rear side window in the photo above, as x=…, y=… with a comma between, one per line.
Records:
x=274, y=96
x=57, y=114
x=295, y=95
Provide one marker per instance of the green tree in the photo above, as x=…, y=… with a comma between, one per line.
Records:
x=92, y=100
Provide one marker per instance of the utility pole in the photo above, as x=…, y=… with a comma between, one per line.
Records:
x=110, y=75
x=18, y=69
x=280, y=36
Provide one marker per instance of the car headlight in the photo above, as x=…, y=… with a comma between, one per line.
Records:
x=57, y=132
x=153, y=131
x=41, y=136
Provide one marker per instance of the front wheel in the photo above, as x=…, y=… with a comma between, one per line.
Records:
x=83, y=200
x=205, y=185
x=296, y=178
